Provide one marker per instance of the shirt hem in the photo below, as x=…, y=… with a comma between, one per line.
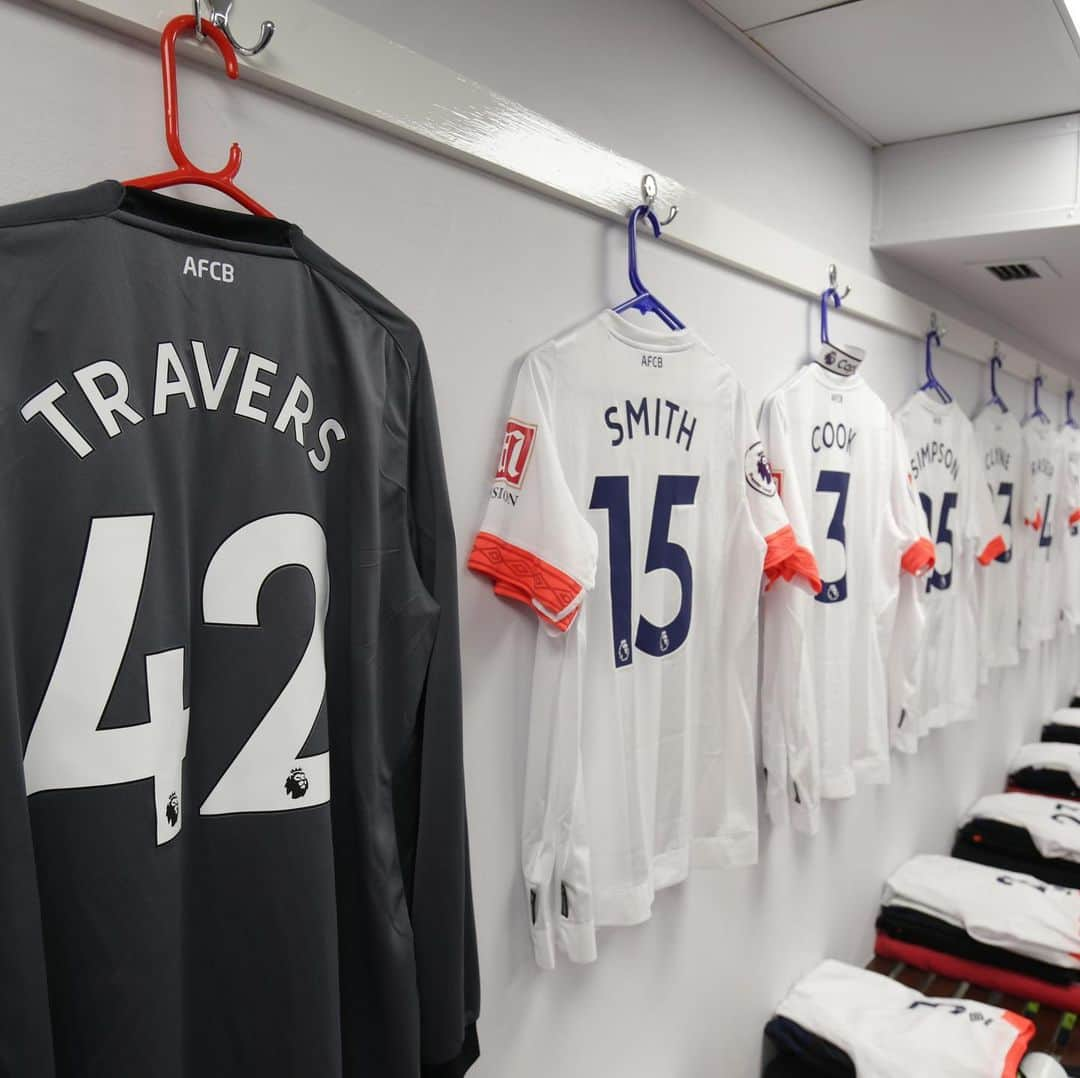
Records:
x=627, y=906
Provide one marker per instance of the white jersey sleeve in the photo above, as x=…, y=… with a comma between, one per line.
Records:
x=537, y=548
x=981, y=526
x=909, y=625
x=787, y=557
x=789, y=722
x=1001, y=451
x=534, y=543
x=1070, y=438
x=1045, y=515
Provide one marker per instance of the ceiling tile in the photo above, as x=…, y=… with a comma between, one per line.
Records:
x=746, y=14
x=907, y=69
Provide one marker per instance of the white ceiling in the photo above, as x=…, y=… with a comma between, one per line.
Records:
x=898, y=70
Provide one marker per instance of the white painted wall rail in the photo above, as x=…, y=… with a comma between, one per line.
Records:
x=331, y=62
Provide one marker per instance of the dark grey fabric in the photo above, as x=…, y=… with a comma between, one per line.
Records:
x=1003, y=845
x=1056, y=731
x=329, y=939
x=925, y=930
x=802, y=1052
x=1044, y=780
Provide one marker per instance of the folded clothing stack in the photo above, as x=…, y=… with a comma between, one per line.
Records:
x=1063, y=726
x=1024, y=833
x=1003, y=930
x=840, y=1021
x=1050, y=768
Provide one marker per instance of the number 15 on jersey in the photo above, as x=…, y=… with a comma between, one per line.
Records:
x=612, y=493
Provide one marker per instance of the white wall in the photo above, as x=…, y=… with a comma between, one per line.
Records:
x=489, y=271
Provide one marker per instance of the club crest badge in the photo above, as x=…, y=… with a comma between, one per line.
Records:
x=516, y=450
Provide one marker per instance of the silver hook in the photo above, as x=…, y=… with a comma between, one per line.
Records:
x=198, y=21
x=997, y=351
x=649, y=191
x=832, y=282
x=221, y=20
x=935, y=326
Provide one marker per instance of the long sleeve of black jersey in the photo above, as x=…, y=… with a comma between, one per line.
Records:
x=440, y=890
x=26, y=1046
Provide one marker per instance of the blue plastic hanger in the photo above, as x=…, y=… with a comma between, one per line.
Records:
x=643, y=300
x=830, y=295
x=934, y=337
x=1069, y=421
x=995, y=397
x=1037, y=412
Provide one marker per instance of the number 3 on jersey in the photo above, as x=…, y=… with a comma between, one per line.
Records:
x=830, y=482
x=612, y=493
x=67, y=751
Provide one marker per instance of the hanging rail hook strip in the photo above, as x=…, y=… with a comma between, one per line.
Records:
x=649, y=191
x=832, y=283
x=221, y=19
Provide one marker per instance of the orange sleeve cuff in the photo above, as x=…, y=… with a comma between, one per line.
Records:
x=785, y=558
x=919, y=558
x=1025, y=1031
x=1074, y=516
x=520, y=575
x=995, y=547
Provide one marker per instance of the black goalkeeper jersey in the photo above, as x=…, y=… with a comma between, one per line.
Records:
x=231, y=789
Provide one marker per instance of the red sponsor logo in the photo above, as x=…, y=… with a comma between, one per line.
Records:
x=516, y=450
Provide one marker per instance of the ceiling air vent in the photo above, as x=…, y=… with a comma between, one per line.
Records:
x=1014, y=271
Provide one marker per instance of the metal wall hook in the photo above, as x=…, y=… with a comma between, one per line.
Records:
x=199, y=33
x=832, y=282
x=220, y=19
x=649, y=191
x=936, y=327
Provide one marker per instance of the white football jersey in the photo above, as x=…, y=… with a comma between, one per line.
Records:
x=841, y=468
x=948, y=476
x=1066, y=716
x=1044, y=514
x=1011, y=910
x=1048, y=756
x=1054, y=826
x=1070, y=441
x=891, y=1031
x=1001, y=450
x=634, y=511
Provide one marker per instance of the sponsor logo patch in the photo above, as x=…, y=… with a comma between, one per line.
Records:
x=516, y=451
x=758, y=472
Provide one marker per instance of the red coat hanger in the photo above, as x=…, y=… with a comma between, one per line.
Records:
x=186, y=172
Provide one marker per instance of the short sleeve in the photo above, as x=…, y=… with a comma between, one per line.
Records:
x=981, y=525
x=989, y=542
x=789, y=724
x=534, y=543
x=909, y=521
x=784, y=556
